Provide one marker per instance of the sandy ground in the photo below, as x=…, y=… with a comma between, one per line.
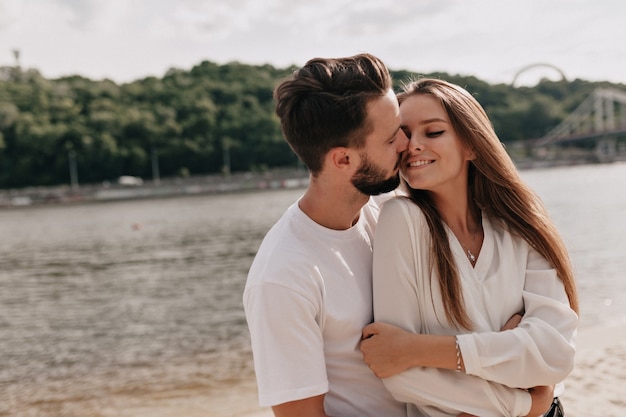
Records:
x=596, y=386
x=594, y=389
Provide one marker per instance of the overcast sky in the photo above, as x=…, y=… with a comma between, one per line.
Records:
x=125, y=40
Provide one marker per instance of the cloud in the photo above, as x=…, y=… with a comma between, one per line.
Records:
x=383, y=18
x=126, y=39
x=206, y=19
x=9, y=11
x=80, y=12
x=99, y=16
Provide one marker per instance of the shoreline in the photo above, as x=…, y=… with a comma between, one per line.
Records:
x=164, y=188
x=200, y=185
x=594, y=388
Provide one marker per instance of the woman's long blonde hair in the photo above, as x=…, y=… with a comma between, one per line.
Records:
x=496, y=187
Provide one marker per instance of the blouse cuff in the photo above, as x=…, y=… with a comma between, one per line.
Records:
x=522, y=402
x=469, y=352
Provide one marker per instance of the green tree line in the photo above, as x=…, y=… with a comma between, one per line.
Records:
x=198, y=121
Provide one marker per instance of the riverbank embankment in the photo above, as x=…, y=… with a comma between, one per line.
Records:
x=173, y=187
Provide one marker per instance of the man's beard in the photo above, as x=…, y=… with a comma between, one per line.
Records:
x=371, y=180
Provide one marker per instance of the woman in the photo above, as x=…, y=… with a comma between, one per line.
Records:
x=469, y=248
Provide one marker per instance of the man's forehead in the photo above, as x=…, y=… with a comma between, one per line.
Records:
x=384, y=114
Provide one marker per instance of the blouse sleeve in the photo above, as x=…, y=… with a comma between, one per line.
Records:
x=400, y=257
x=394, y=286
x=540, y=350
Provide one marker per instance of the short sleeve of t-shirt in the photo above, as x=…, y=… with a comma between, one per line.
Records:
x=287, y=343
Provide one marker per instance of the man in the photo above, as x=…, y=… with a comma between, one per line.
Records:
x=309, y=293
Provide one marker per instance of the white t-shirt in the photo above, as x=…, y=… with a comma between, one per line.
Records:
x=509, y=277
x=307, y=298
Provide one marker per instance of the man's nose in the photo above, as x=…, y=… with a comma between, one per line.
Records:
x=403, y=142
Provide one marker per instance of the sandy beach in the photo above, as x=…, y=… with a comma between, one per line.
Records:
x=595, y=387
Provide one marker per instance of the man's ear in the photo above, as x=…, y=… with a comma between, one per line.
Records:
x=340, y=157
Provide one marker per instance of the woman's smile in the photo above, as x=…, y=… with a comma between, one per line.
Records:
x=419, y=163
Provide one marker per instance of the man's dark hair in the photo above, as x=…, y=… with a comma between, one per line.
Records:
x=323, y=105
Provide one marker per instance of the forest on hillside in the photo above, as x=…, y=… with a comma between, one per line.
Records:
x=206, y=120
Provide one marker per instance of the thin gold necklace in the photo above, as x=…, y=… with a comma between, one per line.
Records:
x=469, y=253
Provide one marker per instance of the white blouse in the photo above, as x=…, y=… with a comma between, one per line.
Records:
x=509, y=277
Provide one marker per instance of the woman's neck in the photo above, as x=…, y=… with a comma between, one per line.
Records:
x=458, y=212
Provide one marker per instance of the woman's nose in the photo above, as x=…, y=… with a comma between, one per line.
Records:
x=415, y=145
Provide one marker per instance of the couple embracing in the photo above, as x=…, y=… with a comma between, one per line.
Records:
x=417, y=275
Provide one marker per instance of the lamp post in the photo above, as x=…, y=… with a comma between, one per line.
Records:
x=226, y=156
x=156, y=177
x=73, y=171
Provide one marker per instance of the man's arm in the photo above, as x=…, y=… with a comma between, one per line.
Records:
x=308, y=407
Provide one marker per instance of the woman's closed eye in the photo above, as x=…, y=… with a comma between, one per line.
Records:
x=435, y=133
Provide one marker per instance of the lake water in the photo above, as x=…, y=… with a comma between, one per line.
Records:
x=142, y=297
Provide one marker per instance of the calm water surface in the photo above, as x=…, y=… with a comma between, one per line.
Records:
x=145, y=296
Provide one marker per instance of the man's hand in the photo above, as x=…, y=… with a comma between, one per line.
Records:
x=542, y=400
x=512, y=322
x=308, y=407
x=387, y=349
